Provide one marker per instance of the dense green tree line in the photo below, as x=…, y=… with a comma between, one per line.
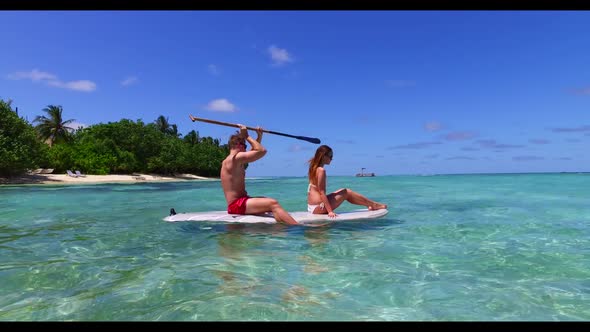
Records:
x=20, y=147
x=122, y=147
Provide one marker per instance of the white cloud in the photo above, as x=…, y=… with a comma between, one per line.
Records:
x=129, y=81
x=297, y=148
x=460, y=158
x=432, y=126
x=279, y=56
x=213, y=70
x=83, y=85
x=419, y=145
x=36, y=75
x=459, y=136
x=583, y=91
x=221, y=105
x=539, y=141
x=527, y=158
x=492, y=144
x=565, y=130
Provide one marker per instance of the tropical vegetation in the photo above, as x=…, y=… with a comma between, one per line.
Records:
x=20, y=147
x=122, y=147
x=53, y=129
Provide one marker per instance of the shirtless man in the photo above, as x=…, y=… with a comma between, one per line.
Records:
x=233, y=179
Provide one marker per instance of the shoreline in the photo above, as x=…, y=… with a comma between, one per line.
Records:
x=45, y=179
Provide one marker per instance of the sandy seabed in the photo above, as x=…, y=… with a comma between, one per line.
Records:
x=87, y=179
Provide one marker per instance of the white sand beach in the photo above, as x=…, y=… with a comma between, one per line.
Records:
x=89, y=179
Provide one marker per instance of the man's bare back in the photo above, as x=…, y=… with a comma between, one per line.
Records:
x=233, y=179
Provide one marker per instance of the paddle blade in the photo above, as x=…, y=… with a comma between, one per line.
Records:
x=310, y=139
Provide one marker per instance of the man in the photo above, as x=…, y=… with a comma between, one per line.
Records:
x=233, y=179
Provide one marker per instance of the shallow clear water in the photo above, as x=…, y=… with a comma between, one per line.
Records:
x=460, y=247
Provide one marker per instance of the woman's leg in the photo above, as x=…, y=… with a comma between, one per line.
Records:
x=336, y=198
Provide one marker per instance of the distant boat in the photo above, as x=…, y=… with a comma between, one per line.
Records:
x=363, y=174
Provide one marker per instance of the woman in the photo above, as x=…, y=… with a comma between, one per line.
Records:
x=317, y=200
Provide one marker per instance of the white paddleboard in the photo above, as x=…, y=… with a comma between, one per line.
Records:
x=267, y=218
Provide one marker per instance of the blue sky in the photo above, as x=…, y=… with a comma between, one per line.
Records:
x=395, y=92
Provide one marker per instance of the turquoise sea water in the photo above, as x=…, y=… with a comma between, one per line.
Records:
x=458, y=248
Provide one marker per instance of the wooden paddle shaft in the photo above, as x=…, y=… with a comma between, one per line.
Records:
x=304, y=138
x=222, y=123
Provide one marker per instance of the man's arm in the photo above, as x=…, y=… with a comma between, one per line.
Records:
x=256, y=144
x=259, y=132
x=258, y=151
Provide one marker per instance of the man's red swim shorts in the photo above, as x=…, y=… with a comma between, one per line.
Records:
x=238, y=206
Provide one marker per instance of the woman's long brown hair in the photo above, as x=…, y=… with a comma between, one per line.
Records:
x=315, y=162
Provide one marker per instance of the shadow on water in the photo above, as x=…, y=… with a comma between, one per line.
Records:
x=367, y=224
x=238, y=244
x=254, y=229
x=352, y=225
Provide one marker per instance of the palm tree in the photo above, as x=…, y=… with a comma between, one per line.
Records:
x=163, y=124
x=192, y=137
x=174, y=131
x=53, y=129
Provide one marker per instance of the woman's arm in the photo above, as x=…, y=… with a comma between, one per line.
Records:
x=321, y=176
